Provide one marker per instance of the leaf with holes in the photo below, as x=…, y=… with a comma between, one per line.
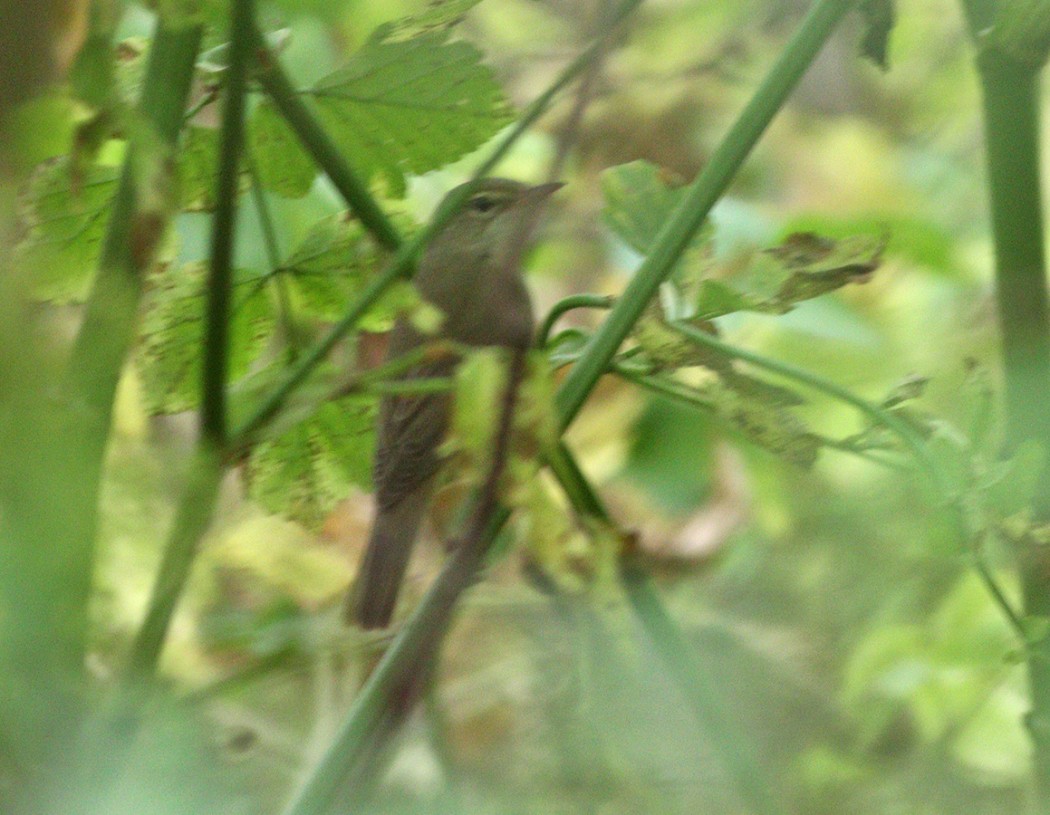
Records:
x=328, y=266
x=303, y=473
x=801, y=267
x=173, y=335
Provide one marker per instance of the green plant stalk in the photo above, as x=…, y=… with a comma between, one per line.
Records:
x=215, y=360
x=1011, y=119
x=912, y=440
x=1011, y=114
x=192, y=519
x=196, y=506
x=273, y=259
x=695, y=206
x=106, y=332
x=567, y=304
x=321, y=147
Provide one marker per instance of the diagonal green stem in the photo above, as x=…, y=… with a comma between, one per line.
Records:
x=695, y=206
x=912, y=440
x=320, y=145
x=393, y=688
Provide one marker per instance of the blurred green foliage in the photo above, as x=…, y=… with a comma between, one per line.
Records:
x=832, y=606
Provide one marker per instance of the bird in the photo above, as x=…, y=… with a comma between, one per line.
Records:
x=470, y=271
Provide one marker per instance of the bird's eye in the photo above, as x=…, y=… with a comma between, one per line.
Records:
x=482, y=203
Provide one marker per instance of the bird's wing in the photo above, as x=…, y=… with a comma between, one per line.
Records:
x=411, y=427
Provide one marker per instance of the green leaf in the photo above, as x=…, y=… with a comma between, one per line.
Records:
x=329, y=265
x=639, y=199
x=303, y=473
x=766, y=424
x=410, y=106
x=910, y=388
x=65, y=222
x=130, y=68
x=479, y=385
x=173, y=335
x=817, y=265
x=878, y=22
x=283, y=167
x=198, y=165
x=716, y=299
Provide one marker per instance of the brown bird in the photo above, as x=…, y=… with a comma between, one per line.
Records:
x=470, y=271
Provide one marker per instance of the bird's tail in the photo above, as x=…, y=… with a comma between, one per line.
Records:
x=370, y=603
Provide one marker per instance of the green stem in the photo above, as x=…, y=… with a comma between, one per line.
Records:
x=1011, y=117
x=220, y=276
x=273, y=260
x=191, y=522
x=1011, y=108
x=110, y=317
x=567, y=304
x=353, y=760
x=321, y=147
x=912, y=440
x=701, y=196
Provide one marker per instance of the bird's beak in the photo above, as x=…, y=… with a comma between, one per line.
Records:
x=541, y=192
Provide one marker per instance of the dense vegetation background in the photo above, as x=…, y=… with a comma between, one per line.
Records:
x=841, y=584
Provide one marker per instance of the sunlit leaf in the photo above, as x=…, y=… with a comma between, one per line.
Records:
x=64, y=228
x=803, y=266
x=817, y=265
x=130, y=68
x=329, y=265
x=407, y=106
x=198, y=166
